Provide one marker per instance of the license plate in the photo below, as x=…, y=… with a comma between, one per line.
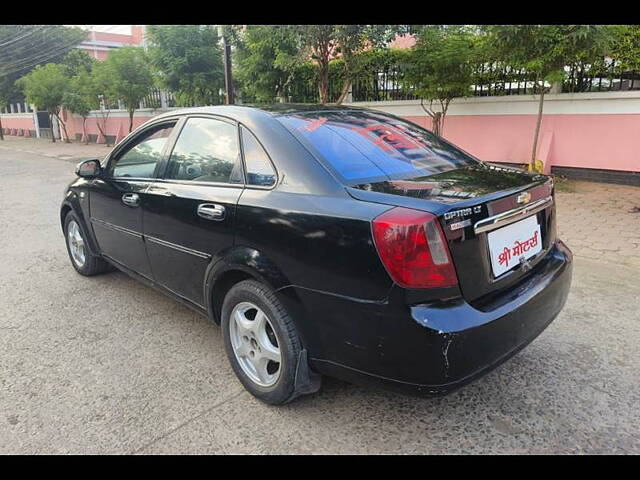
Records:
x=508, y=245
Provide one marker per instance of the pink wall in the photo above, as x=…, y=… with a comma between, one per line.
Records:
x=23, y=122
x=604, y=141
x=115, y=125
x=115, y=37
x=118, y=126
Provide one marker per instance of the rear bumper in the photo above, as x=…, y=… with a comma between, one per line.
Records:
x=434, y=348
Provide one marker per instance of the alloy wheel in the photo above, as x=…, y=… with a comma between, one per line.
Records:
x=76, y=244
x=255, y=344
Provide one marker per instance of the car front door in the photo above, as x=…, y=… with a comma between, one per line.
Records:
x=116, y=197
x=189, y=210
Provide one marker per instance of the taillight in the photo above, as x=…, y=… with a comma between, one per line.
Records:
x=413, y=249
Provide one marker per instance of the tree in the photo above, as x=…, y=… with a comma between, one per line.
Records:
x=321, y=45
x=130, y=78
x=266, y=59
x=77, y=61
x=270, y=58
x=188, y=59
x=625, y=46
x=45, y=87
x=440, y=67
x=100, y=88
x=352, y=41
x=544, y=51
x=80, y=98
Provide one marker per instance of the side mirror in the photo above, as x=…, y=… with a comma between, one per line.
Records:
x=89, y=168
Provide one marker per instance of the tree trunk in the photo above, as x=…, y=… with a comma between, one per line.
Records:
x=84, y=130
x=344, y=92
x=103, y=128
x=437, y=123
x=53, y=131
x=131, y=112
x=323, y=85
x=1, y=132
x=435, y=117
x=64, y=129
x=537, y=132
x=445, y=106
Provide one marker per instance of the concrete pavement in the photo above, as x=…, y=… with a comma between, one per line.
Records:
x=107, y=365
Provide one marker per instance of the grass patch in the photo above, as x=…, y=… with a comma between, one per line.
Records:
x=563, y=184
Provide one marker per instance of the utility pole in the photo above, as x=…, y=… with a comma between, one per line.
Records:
x=228, y=78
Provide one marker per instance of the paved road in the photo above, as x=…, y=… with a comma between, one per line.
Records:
x=106, y=365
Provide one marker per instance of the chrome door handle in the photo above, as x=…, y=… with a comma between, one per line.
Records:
x=211, y=211
x=131, y=199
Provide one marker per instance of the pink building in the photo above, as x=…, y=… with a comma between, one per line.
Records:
x=98, y=44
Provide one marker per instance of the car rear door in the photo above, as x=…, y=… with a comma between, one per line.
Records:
x=189, y=209
x=116, y=198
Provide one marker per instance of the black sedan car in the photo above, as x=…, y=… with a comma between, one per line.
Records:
x=327, y=241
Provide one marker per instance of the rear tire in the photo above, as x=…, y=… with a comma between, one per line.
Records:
x=257, y=330
x=81, y=258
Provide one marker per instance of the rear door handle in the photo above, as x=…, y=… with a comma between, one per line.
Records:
x=211, y=211
x=131, y=199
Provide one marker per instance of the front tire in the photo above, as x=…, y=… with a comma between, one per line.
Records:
x=261, y=342
x=81, y=258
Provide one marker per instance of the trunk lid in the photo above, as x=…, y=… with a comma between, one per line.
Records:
x=472, y=202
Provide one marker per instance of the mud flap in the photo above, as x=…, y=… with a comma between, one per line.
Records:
x=306, y=380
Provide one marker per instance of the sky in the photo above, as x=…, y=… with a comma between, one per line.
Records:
x=122, y=29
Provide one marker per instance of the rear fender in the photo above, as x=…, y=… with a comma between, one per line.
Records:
x=239, y=263
x=248, y=261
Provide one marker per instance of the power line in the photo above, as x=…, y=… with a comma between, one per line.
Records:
x=28, y=34
x=11, y=34
x=49, y=55
x=26, y=46
x=40, y=57
x=41, y=54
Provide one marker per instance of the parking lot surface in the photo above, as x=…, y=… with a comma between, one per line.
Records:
x=107, y=365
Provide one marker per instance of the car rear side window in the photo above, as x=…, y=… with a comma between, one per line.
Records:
x=139, y=160
x=259, y=169
x=363, y=146
x=206, y=151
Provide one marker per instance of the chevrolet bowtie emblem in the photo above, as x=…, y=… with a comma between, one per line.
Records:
x=524, y=197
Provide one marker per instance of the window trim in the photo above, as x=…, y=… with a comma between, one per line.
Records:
x=114, y=156
x=162, y=171
x=244, y=162
x=175, y=181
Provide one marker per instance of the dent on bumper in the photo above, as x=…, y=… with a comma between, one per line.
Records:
x=455, y=343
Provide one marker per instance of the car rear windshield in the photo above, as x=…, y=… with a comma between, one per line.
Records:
x=368, y=147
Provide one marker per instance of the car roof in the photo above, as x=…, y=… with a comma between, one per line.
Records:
x=239, y=112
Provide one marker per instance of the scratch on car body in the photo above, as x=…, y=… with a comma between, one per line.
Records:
x=445, y=354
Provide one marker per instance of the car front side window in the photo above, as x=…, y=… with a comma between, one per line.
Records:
x=207, y=150
x=140, y=159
